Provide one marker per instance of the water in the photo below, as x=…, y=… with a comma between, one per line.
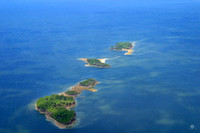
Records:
x=154, y=90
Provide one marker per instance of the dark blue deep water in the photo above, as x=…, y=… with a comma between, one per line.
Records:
x=155, y=90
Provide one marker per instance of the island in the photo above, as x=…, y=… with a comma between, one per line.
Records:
x=87, y=84
x=95, y=62
x=124, y=46
x=58, y=107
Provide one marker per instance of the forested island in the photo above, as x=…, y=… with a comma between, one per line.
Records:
x=95, y=62
x=58, y=106
x=124, y=46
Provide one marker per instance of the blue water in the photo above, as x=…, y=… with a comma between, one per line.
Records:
x=155, y=90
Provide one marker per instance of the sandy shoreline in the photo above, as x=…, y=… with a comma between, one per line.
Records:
x=129, y=51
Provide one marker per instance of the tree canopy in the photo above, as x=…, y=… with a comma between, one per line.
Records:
x=88, y=82
x=71, y=92
x=55, y=105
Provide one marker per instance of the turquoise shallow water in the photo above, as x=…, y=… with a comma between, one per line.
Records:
x=154, y=90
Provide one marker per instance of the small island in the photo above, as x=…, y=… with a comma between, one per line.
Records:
x=124, y=46
x=95, y=62
x=58, y=107
x=87, y=84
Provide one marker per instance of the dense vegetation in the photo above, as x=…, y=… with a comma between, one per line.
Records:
x=122, y=45
x=63, y=115
x=88, y=82
x=55, y=106
x=97, y=63
x=71, y=92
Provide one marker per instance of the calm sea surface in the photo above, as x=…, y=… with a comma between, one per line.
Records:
x=155, y=90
